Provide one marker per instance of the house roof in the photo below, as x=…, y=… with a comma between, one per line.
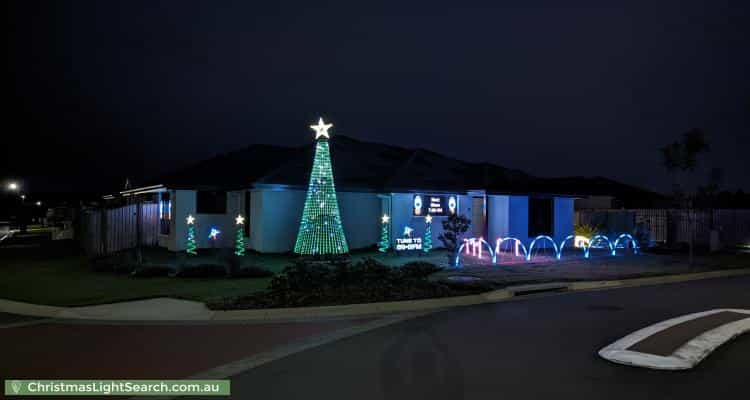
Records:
x=365, y=166
x=627, y=196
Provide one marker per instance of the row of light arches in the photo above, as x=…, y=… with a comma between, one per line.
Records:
x=476, y=246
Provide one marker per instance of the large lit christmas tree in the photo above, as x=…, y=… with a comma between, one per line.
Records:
x=191, y=247
x=385, y=241
x=320, y=231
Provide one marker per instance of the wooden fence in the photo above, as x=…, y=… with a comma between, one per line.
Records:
x=673, y=225
x=104, y=231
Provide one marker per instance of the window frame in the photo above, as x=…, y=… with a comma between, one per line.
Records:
x=217, y=206
x=535, y=211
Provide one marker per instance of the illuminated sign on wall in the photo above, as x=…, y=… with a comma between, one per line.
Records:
x=408, y=243
x=434, y=204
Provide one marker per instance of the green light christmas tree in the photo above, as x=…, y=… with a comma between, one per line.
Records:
x=427, y=244
x=320, y=231
x=191, y=247
x=239, y=239
x=385, y=242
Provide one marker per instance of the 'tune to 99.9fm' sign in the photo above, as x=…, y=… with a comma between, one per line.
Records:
x=434, y=204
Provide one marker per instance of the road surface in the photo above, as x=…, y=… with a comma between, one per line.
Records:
x=541, y=347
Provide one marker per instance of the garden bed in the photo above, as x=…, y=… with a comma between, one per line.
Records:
x=314, y=284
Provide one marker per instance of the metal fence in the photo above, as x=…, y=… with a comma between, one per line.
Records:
x=673, y=225
x=104, y=231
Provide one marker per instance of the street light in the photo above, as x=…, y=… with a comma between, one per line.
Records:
x=13, y=186
x=38, y=203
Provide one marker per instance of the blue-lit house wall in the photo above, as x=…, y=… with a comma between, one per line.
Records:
x=275, y=215
x=518, y=218
x=401, y=213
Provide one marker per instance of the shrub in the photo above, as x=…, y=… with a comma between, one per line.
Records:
x=250, y=272
x=201, y=271
x=586, y=230
x=453, y=227
x=300, y=276
x=151, y=271
x=419, y=270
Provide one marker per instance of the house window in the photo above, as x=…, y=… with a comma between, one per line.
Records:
x=211, y=202
x=246, y=227
x=165, y=213
x=540, y=217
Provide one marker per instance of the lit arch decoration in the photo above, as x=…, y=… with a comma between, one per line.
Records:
x=593, y=241
x=573, y=238
x=518, y=242
x=544, y=238
x=473, y=247
x=625, y=237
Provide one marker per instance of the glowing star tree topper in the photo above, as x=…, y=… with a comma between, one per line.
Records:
x=385, y=241
x=239, y=239
x=320, y=230
x=321, y=129
x=191, y=247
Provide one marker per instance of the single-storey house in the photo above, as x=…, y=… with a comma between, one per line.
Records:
x=267, y=185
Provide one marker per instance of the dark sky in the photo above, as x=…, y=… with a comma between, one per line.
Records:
x=99, y=90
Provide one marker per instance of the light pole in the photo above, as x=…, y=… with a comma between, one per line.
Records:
x=15, y=187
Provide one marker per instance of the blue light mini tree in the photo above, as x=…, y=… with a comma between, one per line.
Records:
x=239, y=238
x=427, y=244
x=385, y=241
x=320, y=230
x=191, y=247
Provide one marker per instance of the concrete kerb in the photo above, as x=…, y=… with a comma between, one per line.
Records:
x=657, y=280
x=194, y=311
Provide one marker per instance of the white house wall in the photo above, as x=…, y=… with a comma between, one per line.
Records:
x=498, y=209
x=184, y=203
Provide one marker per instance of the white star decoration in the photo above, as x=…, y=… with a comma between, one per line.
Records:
x=190, y=219
x=428, y=219
x=321, y=129
x=385, y=218
x=408, y=231
x=239, y=220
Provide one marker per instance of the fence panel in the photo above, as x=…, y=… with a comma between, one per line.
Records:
x=110, y=230
x=673, y=225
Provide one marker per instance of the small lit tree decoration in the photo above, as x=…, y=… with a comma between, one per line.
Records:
x=385, y=241
x=239, y=239
x=427, y=244
x=320, y=230
x=191, y=247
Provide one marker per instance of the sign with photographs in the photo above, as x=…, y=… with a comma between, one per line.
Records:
x=437, y=205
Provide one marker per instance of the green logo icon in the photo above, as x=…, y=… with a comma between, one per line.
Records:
x=16, y=386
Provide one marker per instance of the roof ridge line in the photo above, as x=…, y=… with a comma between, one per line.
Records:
x=405, y=164
x=280, y=166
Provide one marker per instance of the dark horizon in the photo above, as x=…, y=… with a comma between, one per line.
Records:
x=104, y=91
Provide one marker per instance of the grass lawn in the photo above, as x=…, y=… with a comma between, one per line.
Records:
x=53, y=274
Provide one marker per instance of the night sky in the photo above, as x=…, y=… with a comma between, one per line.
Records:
x=100, y=90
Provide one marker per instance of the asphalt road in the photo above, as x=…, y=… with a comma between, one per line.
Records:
x=541, y=347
